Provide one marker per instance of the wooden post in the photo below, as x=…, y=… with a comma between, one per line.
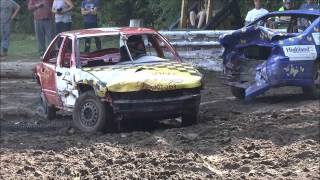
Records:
x=209, y=10
x=184, y=16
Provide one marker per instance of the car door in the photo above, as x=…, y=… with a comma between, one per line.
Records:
x=47, y=72
x=65, y=72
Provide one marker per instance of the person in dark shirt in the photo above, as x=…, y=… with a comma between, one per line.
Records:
x=89, y=11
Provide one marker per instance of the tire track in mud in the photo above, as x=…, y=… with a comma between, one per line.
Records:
x=35, y=127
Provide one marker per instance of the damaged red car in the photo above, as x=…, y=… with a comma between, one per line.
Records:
x=105, y=75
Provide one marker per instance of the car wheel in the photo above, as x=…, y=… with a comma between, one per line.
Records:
x=239, y=93
x=190, y=117
x=90, y=114
x=314, y=91
x=48, y=110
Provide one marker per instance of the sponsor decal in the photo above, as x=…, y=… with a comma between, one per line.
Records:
x=300, y=52
x=316, y=37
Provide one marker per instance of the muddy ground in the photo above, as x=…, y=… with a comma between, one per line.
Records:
x=274, y=137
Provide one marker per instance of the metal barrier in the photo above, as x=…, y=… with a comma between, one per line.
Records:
x=200, y=48
x=194, y=38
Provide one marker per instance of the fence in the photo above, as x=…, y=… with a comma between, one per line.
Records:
x=201, y=48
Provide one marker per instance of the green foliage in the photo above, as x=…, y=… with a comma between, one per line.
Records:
x=24, y=21
x=158, y=14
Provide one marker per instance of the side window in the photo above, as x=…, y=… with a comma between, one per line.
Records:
x=52, y=54
x=167, y=52
x=66, y=53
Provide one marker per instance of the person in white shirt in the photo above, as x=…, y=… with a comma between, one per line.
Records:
x=256, y=13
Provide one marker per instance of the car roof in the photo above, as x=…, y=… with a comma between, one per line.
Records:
x=107, y=31
x=297, y=12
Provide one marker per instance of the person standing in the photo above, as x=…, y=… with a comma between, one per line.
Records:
x=256, y=13
x=62, y=13
x=200, y=16
x=310, y=5
x=42, y=22
x=8, y=11
x=287, y=5
x=89, y=11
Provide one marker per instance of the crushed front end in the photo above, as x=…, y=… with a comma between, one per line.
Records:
x=256, y=59
x=155, y=104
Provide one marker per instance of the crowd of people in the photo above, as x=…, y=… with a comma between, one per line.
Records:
x=258, y=11
x=44, y=10
x=197, y=18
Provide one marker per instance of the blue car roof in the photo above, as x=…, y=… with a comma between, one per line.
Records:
x=297, y=12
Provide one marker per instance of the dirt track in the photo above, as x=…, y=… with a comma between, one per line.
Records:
x=277, y=136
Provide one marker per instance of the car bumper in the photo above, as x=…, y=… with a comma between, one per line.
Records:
x=156, y=108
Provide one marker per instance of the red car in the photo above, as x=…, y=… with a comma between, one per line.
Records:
x=105, y=75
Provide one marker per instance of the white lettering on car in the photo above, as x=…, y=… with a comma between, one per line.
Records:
x=300, y=52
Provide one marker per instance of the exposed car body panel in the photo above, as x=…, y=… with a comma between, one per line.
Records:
x=257, y=58
x=152, y=76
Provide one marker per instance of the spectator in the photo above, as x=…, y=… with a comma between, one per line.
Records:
x=201, y=16
x=310, y=5
x=63, y=20
x=8, y=11
x=42, y=22
x=89, y=11
x=256, y=13
x=287, y=5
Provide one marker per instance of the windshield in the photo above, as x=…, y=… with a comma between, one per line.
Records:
x=286, y=23
x=116, y=49
x=149, y=47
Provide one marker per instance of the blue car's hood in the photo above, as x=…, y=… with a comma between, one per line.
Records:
x=253, y=35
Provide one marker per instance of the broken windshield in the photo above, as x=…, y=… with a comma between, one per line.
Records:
x=119, y=49
x=285, y=23
x=145, y=48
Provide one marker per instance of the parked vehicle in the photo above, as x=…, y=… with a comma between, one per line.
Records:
x=278, y=49
x=131, y=73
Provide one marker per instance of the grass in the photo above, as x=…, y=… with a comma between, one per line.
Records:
x=23, y=46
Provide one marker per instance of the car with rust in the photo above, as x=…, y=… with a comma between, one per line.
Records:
x=106, y=75
x=278, y=49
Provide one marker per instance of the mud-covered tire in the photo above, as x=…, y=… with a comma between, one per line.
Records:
x=90, y=113
x=49, y=111
x=190, y=117
x=314, y=91
x=239, y=93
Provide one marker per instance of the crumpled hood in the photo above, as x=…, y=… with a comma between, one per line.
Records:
x=252, y=34
x=159, y=76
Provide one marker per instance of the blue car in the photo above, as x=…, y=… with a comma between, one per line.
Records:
x=278, y=49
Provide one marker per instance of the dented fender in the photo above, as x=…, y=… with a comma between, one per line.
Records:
x=87, y=78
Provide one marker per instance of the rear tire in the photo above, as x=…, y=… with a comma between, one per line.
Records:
x=239, y=93
x=190, y=117
x=90, y=114
x=49, y=110
x=314, y=91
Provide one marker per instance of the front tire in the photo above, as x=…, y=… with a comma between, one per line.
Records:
x=90, y=114
x=239, y=93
